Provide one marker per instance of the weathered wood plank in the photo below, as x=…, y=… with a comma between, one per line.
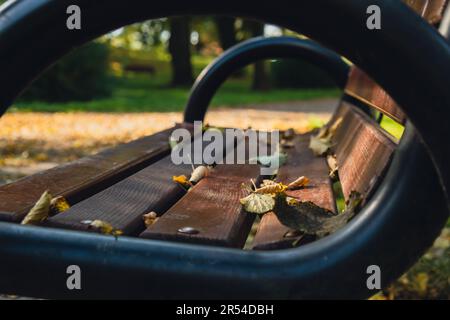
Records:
x=124, y=203
x=363, y=150
x=271, y=234
x=361, y=87
x=82, y=178
x=211, y=208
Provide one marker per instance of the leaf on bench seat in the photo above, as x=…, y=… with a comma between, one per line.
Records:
x=323, y=141
x=45, y=207
x=258, y=203
x=312, y=219
x=103, y=227
x=40, y=211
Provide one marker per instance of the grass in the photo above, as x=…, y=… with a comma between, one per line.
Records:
x=142, y=93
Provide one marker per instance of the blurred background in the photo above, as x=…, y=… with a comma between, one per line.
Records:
x=136, y=81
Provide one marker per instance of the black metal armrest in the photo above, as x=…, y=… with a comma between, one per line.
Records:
x=250, y=51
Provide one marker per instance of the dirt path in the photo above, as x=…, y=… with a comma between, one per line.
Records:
x=30, y=142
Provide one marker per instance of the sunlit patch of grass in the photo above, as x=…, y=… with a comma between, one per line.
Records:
x=394, y=128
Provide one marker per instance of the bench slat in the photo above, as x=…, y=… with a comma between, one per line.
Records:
x=212, y=208
x=82, y=178
x=301, y=162
x=431, y=10
x=361, y=87
x=363, y=150
x=123, y=204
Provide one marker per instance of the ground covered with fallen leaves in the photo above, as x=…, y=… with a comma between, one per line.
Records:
x=31, y=142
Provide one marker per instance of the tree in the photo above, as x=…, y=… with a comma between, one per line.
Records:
x=226, y=31
x=180, y=50
x=261, y=80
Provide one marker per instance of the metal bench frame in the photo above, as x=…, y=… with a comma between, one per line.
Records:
x=385, y=233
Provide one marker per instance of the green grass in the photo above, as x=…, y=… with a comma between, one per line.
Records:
x=394, y=128
x=146, y=94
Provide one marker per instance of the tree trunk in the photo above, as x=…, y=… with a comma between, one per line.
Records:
x=261, y=80
x=226, y=31
x=180, y=50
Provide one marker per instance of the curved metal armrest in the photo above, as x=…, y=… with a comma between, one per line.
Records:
x=250, y=51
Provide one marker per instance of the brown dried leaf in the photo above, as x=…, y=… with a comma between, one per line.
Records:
x=198, y=174
x=150, y=218
x=289, y=134
x=332, y=164
x=105, y=228
x=271, y=188
x=58, y=205
x=40, y=211
x=298, y=183
x=312, y=219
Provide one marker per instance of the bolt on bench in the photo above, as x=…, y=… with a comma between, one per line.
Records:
x=202, y=244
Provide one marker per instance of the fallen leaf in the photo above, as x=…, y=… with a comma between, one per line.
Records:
x=182, y=180
x=198, y=174
x=289, y=134
x=271, y=188
x=298, y=183
x=332, y=164
x=286, y=144
x=105, y=228
x=258, y=203
x=150, y=218
x=323, y=141
x=58, y=205
x=267, y=182
x=40, y=211
x=311, y=219
x=319, y=146
x=277, y=157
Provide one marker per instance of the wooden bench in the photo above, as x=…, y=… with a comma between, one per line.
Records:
x=122, y=184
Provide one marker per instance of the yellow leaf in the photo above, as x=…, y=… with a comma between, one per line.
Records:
x=298, y=183
x=105, y=228
x=182, y=180
x=422, y=282
x=150, y=218
x=58, y=205
x=258, y=203
x=40, y=211
x=271, y=188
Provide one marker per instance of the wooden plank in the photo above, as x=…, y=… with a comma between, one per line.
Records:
x=123, y=204
x=431, y=10
x=82, y=178
x=211, y=208
x=363, y=151
x=271, y=234
x=361, y=87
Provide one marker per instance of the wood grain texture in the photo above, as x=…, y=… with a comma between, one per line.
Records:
x=82, y=178
x=430, y=10
x=271, y=234
x=363, y=150
x=361, y=87
x=212, y=208
x=123, y=204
